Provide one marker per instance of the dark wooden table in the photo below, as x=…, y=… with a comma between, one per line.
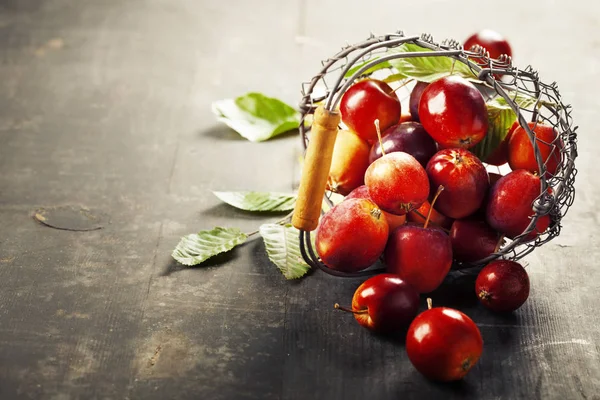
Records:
x=106, y=105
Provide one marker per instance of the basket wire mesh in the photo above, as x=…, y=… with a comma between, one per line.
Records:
x=498, y=78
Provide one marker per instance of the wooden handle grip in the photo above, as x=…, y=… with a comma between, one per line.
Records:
x=317, y=163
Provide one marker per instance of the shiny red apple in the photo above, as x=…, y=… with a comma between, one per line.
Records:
x=384, y=303
x=443, y=344
x=352, y=235
x=510, y=205
x=420, y=255
x=520, y=149
x=492, y=41
x=397, y=183
x=502, y=286
x=366, y=101
x=464, y=178
x=453, y=112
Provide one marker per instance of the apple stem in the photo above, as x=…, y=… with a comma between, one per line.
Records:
x=432, y=223
x=376, y=122
x=376, y=212
x=437, y=194
x=499, y=244
x=363, y=311
x=404, y=84
x=429, y=303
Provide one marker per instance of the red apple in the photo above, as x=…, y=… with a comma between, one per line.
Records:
x=352, y=235
x=464, y=178
x=492, y=41
x=502, y=286
x=520, y=149
x=453, y=112
x=436, y=218
x=366, y=101
x=397, y=183
x=384, y=303
x=422, y=256
x=472, y=240
x=409, y=137
x=443, y=344
x=415, y=98
x=349, y=163
x=393, y=221
x=510, y=206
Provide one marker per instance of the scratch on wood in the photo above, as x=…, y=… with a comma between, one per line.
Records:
x=152, y=360
x=582, y=342
x=52, y=44
x=74, y=315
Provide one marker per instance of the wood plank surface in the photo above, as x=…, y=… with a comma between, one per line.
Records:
x=106, y=105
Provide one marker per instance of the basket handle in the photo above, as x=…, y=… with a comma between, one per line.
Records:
x=317, y=163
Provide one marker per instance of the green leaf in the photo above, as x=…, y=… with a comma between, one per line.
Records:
x=394, y=78
x=429, y=69
x=283, y=247
x=198, y=247
x=256, y=116
x=258, y=201
x=376, y=67
x=500, y=118
x=521, y=99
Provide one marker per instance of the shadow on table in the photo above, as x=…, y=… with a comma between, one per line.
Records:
x=223, y=210
x=223, y=132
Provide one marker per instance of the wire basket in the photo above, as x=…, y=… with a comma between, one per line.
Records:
x=498, y=77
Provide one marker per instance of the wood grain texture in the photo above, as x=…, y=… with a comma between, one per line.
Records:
x=106, y=105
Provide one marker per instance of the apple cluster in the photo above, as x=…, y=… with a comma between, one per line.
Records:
x=418, y=199
x=415, y=194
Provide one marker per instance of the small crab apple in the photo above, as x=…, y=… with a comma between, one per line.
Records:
x=502, y=286
x=443, y=344
x=453, y=112
x=384, y=303
x=464, y=178
x=492, y=41
x=352, y=235
x=366, y=101
x=420, y=255
x=520, y=149
x=397, y=183
x=510, y=205
x=349, y=162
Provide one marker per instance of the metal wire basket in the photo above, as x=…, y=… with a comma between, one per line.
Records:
x=498, y=78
